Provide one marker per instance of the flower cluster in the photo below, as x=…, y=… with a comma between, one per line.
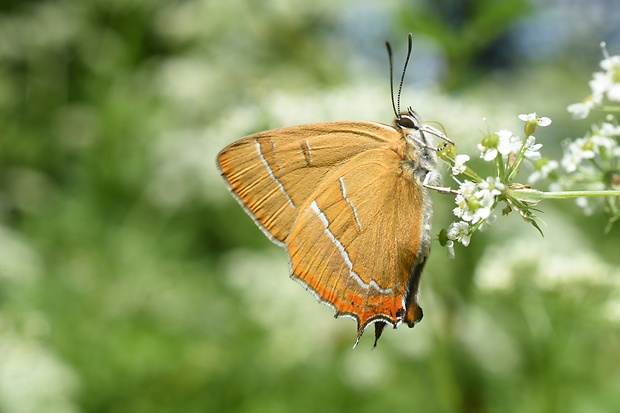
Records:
x=605, y=86
x=475, y=201
x=599, y=149
x=591, y=163
x=589, y=170
x=476, y=198
x=544, y=168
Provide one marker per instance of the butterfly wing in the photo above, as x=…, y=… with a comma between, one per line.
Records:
x=361, y=240
x=273, y=173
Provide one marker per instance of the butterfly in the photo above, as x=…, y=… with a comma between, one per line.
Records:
x=349, y=202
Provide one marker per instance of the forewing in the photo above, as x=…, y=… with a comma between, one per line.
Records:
x=356, y=240
x=273, y=173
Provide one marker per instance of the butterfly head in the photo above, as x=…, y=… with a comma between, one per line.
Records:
x=409, y=123
x=408, y=120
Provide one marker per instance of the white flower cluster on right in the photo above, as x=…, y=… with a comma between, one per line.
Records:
x=596, y=148
x=605, y=86
x=591, y=162
x=589, y=170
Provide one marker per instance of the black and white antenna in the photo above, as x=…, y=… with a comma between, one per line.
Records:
x=396, y=104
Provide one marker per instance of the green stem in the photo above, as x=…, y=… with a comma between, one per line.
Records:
x=577, y=194
x=528, y=194
x=517, y=162
x=501, y=170
x=610, y=108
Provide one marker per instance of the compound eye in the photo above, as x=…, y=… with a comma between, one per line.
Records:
x=408, y=122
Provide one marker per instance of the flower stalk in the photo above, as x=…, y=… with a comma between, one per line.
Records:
x=533, y=195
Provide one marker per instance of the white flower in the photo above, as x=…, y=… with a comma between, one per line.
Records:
x=459, y=231
x=607, y=83
x=586, y=151
x=476, y=201
x=484, y=211
x=450, y=247
x=609, y=129
x=613, y=93
x=487, y=222
x=602, y=142
x=603, y=84
x=581, y=110
x=466, y=190
x=570, y=160
x=532, y=117
x=486, y=153
x=587, y=147
x=508, y=143
x=493, y=185
x=458, y=211
x=544, y=121
x=600, y=84
x=542, y=171
x=459, y=164
x=531, y=151
x=577, y=151
x=611, y=64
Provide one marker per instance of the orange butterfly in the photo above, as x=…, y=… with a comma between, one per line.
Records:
x=349, y=202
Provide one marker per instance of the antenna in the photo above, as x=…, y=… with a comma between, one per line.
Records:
x=396, y=104
x=391, y=58
x=402, y=78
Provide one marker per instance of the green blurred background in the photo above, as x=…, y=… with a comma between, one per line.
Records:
x=131, y=281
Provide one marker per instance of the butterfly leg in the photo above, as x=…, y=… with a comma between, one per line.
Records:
x=433, y=131
x=432, y=179
x=423, y=144
x=442, y=189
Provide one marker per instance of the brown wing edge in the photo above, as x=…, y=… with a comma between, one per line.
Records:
x=383, y=318
x=265, y=231
x=410, y=303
